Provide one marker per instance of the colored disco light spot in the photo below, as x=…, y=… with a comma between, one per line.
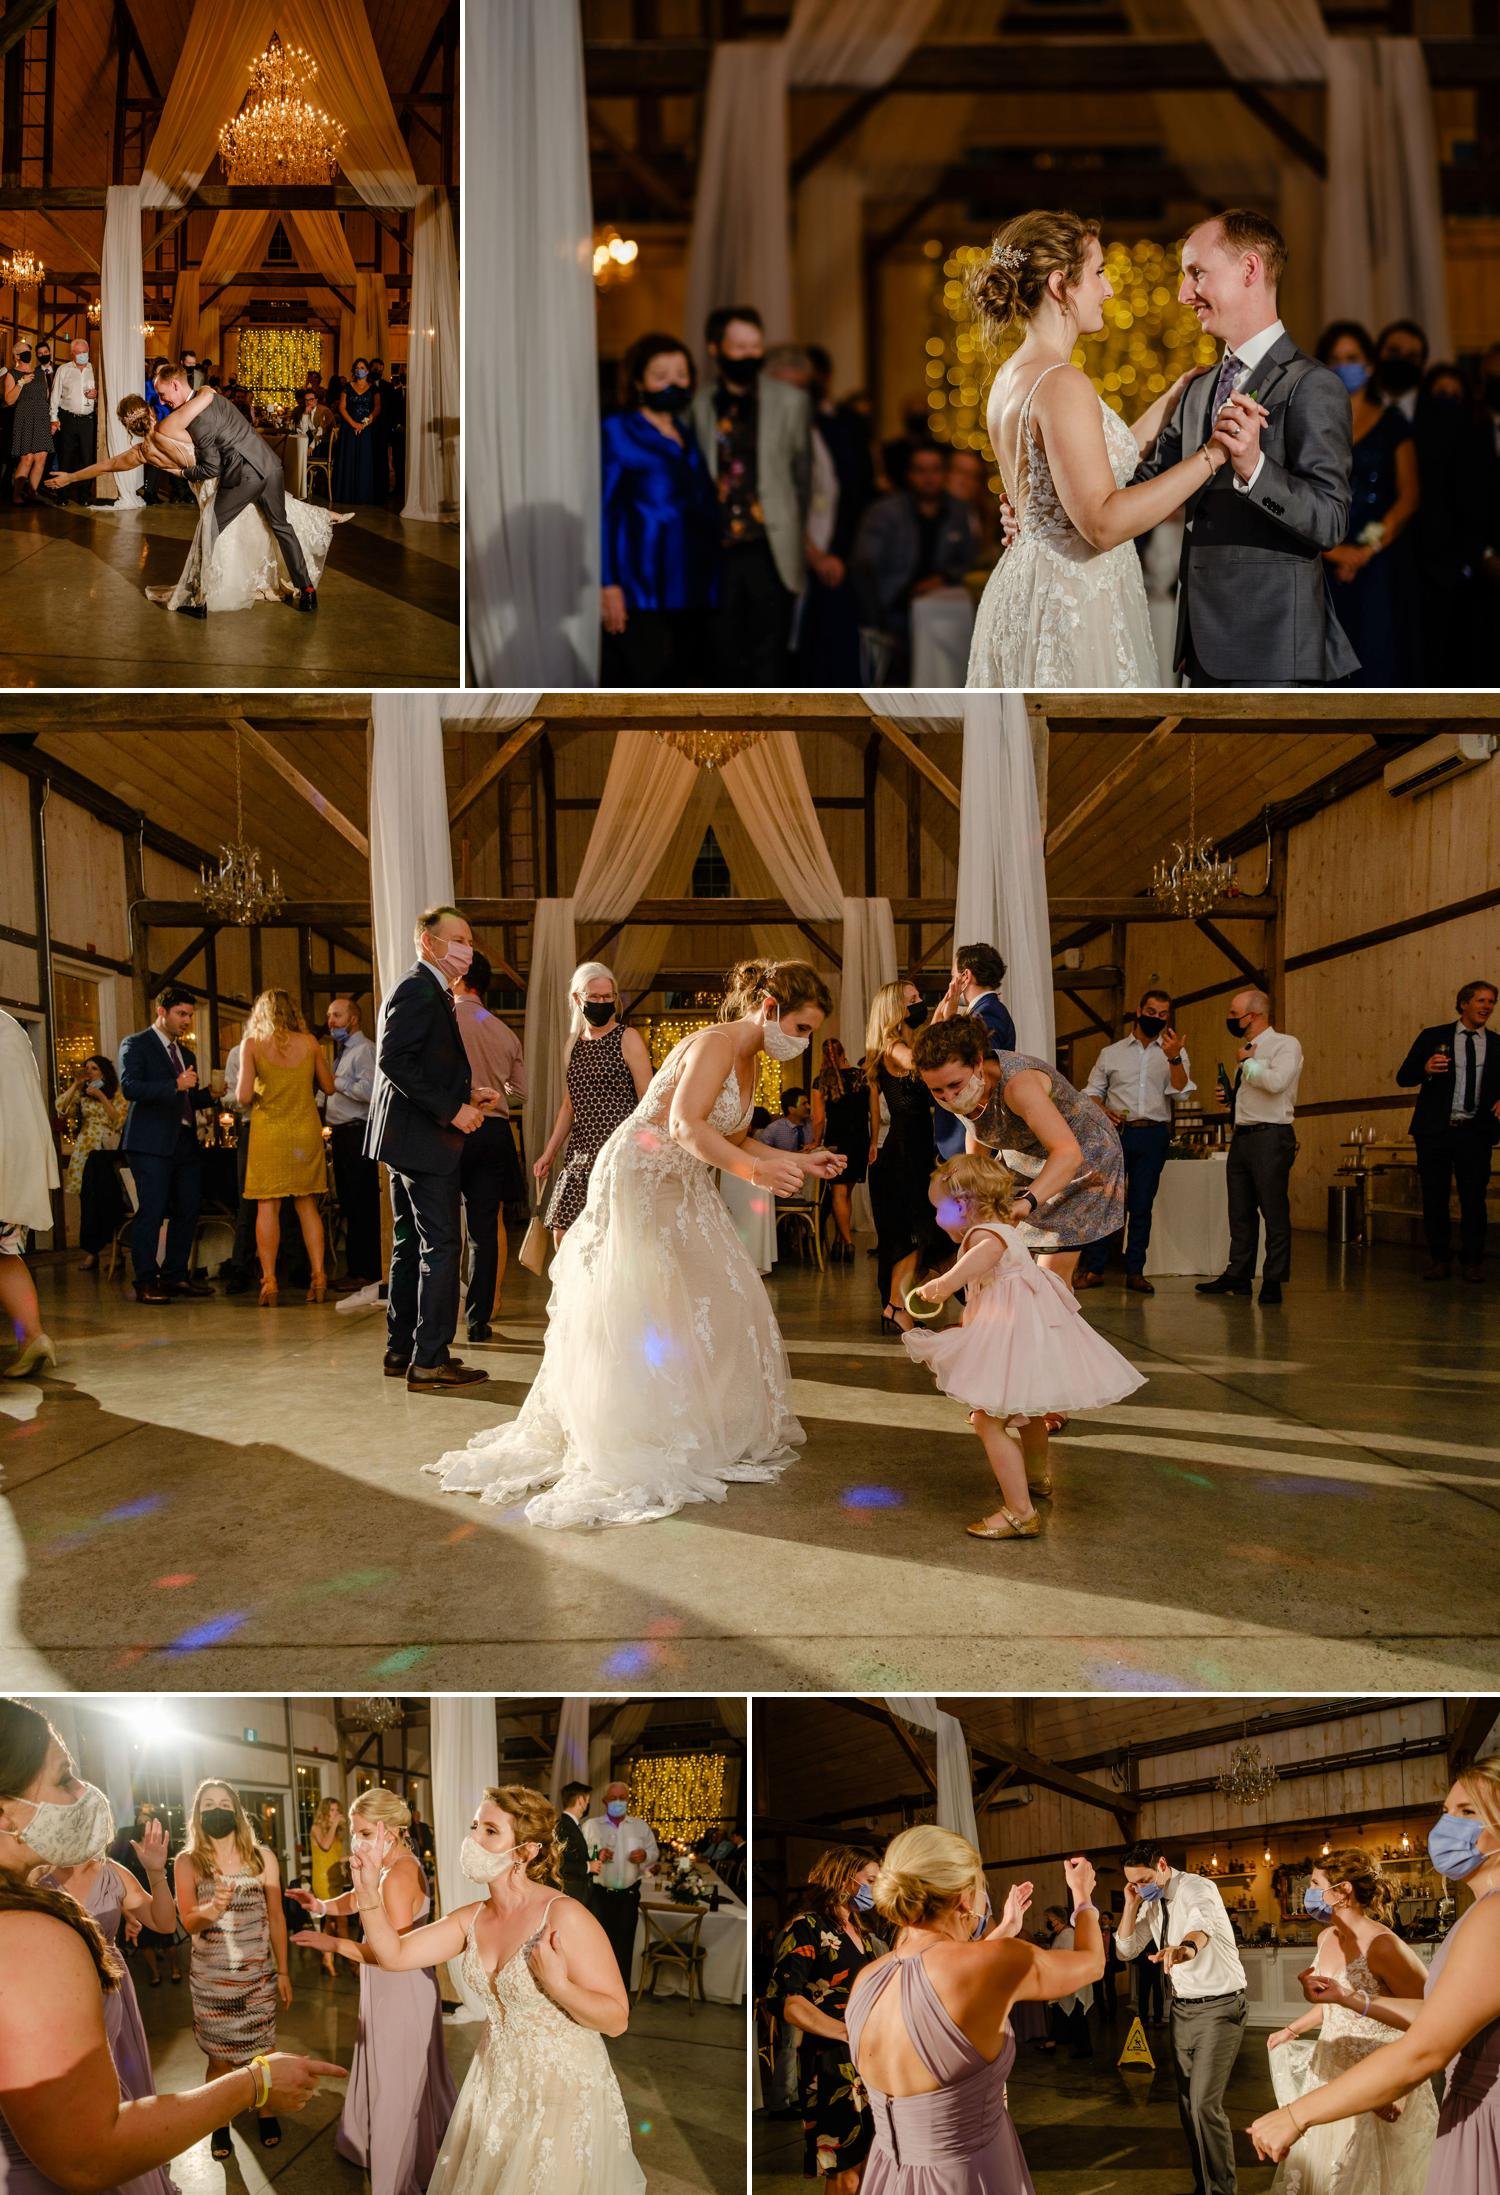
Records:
x=357, y=1581
x=629, y=1661
x=871, y=1497
x=646, y=1139
x=1107, y=1676
x=643, y=2126
x=397, y=1664
x=128, y=1658
x=210, y=1633
x=142, y=1506
x=463, y=1532
x=950, y=1213
x=175, y=1579
x=757, y=1205
x=664, y=1627
x=657, y=1347
x=1189, y=1478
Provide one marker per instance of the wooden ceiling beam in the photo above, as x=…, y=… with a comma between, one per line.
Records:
x=207, y=198
x=1104, y=791
x=876, y=1711
x=304, y=787
x=20, y=17
x=499, y=762
x=905, y=745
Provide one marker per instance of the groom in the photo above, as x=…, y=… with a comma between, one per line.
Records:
x=1254, y=607
x=247, y=469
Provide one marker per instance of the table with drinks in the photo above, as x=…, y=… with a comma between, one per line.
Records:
x=724, y=1939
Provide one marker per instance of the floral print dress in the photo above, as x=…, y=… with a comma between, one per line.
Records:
x=818, y=1960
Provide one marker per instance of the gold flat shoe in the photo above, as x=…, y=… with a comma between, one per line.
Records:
x=1014, y=1528
x=1040, y=1489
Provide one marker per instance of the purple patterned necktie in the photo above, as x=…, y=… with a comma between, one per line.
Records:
x=180, y=1064
x=1223, y=387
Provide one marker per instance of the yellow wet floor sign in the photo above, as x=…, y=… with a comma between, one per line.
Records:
x=1137, y=2050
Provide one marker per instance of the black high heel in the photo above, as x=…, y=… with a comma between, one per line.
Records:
x=269, y=2130
x=222, y=2145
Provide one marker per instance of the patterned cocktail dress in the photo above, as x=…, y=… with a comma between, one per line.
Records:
x=233, y=1976
x=1093, y=1204
x=601, y=1090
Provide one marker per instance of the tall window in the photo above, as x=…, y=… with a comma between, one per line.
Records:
x=76, y=1029
x=711, y=879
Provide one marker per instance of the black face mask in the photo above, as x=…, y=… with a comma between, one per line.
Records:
x=1490, y=390
x=740, y=373
x=916, y=1015
x=1398, y=376
x=23, y=358
x=674, y=398
x=1151, y=1025
x=44, y=358
x=218, y=1821
x=599, y=1012
x=1235, y=1028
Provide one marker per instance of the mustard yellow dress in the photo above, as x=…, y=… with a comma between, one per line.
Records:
x=287, y=1157
x=323, y=1863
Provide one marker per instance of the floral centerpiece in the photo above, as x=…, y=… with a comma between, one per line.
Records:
x=685, y=1886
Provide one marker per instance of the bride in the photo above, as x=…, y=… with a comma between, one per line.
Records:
x=664, y=1376
x=1383, y=2152
x=232, y=570
x=540, y=2106
x=1066, y=604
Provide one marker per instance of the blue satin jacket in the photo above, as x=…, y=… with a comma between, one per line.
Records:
x=660, y=520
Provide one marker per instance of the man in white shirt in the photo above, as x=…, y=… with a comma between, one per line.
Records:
x=347, y=1112
x=1261, y=1150
x=1138, y=1082
x=625, y=1848
x=1179, y=1922
x=74, y=406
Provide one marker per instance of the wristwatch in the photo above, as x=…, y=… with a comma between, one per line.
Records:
x=1030, y=1197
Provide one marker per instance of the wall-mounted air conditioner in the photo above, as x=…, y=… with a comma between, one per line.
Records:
x=1437, y=760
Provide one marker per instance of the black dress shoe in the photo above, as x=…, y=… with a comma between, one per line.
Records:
x=1439, y=1269
x=481, y=1333
x=396, y=1367
x=187, y=1288
x=1223, y=1286
x=1270, y=1291
x=151, y=1291
x=191, y=609
x=305, y=599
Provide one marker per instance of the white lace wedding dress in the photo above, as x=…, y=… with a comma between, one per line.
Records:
x=1056, y=612
x=1361, y=2156
x=664, y=1377
x=241, y=566
x=540, y=2111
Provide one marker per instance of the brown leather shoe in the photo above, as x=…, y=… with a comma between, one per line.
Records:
x=152, y=1291
x=1138, y=1284
x=1087, y=1280
x=441, y=1379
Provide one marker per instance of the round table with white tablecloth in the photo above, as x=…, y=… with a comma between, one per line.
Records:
x=942, y=626
x=724, y=1942
x=1190, y=1219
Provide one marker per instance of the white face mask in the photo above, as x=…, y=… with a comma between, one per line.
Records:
x=484, y=1867
x=779, y=1045
x=970, y=1099
x=69, y=1836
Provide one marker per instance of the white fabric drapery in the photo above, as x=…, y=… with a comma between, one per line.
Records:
x=532, y=506
x=955, y=1780
x=28, y=1155
x=122, y=310
x=432, y=445
x=465, y=1763
x=570, y=1756
x=1002, y=877
x=411, y=850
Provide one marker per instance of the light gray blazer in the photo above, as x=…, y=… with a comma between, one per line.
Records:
x=1254, y=592
x=783, y=450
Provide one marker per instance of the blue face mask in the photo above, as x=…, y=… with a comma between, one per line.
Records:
x=981, y=1923
x=1453, y=1846
x=863, y=1899
x=340, y=1036
x=1314, y=1902
x=1354, y=373
x=1148, y=1893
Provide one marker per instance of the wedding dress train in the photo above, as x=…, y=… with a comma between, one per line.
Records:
x=240, y=566
x=1056, y=612
x=1361, y=2156
x=664, y=1377
x=540, y=2111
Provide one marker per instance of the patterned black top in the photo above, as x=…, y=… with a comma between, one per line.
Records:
x=737, y=418
x=602, y=1091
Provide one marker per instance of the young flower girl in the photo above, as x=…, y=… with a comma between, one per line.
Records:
x=1024, y=1347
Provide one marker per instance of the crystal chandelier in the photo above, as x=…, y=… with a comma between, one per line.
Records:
x=1195, y=878
x=372, y=1714
x=96, y=313
x=614, y=258
x=22, y=270
x=279, y=136
x=1249, y=1778
x=236, y=893
x=710, y=750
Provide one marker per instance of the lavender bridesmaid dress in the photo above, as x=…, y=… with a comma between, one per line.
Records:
x=401, y=2093
x=957, y=2141
x=1466, y=2160
x=18, y=2175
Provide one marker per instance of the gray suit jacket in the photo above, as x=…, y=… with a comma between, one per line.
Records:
x=1254, y=590
x=226, y=445
x=783, y=449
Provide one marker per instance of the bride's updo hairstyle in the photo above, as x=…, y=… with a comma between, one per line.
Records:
x=1352, y=1864
x=134, y=414
x=792, y=983
x=923, y=1875
x=1027, y=252
x=535, y=1821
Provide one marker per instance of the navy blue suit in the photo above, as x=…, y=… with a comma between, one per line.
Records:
x=422, y=1077
x=161, y=1147
x=989, y=1008
x=1453, y=1153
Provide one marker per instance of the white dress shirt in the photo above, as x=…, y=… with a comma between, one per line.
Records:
x=1482, y=1039
x=69, y=384
x=353, y=1080
x=1267, y=1091
x=1193, y=1903
x=1136, y=1079
x=1250, y=353
x=619, y=1838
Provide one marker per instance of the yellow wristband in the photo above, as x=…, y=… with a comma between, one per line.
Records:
x=260, y=2067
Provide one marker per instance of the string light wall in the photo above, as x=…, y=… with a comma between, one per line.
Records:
x=274, y=363
x=680, y=1794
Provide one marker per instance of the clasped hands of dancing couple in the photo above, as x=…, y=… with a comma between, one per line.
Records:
x=253, y=541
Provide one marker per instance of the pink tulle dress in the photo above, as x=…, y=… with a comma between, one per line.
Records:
x=1024, y=1347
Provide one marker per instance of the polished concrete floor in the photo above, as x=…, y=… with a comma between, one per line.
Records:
x=1088, y=2127
x=211, y=1495
x=73, y=611
x=682, y=2077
